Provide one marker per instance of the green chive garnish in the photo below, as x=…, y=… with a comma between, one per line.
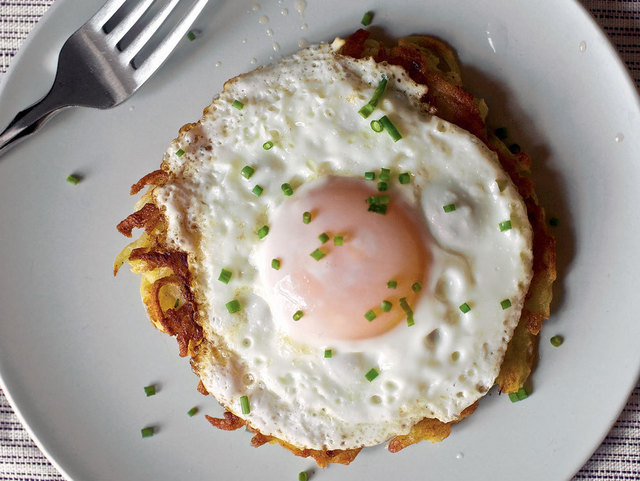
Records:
x=514, y=397
x=404, y=178
x=263, y=231
x=192, y=412
x=328, y=353
x=318, y=254
x=303, y=476
x=385, y=174
x=368, y=108
x=257, y=190
x=407, y=310
x=324, y=237
x=176, y=304
x=225, y=276
x=244, y=404
x=390, y=128
x=366, y=18
x=179, y=152
x=553, y=222
x=237, y=104
x=519, y=396
x=556, y=340
x=416, y=286
x=370, y=175
x=464, y=308
x=376, y=126
x=506, y=225
x=267, y=145
x=338, y=240
x=147, y=432
x=449, y=207
x=514, y=148
x=501, y=133
x=385, y=306
x=392, y=284
x=150, y=390
x=382, y=199
x=378, y=208
x=275, y=263
x=370, y=315
x=371, y=375
x=286, y=189
x=306, y=217
x=506, y=304
x=73, y=179
x=247, y=171
x=191, y=36
x=233, y=306
x=382, y=186
x=298, y=315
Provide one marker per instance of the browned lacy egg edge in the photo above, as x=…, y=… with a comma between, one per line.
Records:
x=166, y=275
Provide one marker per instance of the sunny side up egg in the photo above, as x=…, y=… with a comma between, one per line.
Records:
x=345, y=326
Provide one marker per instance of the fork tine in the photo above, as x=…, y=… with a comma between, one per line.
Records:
x=129, y=21
x=105, y=13
x=167, y=45
x=148, y=31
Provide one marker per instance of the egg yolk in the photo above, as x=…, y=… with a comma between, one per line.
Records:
x=338, y=293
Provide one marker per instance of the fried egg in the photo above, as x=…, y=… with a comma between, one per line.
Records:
x=349, y=283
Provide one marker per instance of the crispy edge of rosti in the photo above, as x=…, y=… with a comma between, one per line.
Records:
x=430, y=62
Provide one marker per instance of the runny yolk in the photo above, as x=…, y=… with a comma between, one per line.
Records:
x=335, y=292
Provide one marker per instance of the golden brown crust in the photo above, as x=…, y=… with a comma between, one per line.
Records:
x=146, y=218
x=157, y=177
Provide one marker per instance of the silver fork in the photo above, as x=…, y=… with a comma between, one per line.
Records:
x=94, y=72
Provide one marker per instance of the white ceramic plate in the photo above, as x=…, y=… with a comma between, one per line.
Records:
x=76, y=348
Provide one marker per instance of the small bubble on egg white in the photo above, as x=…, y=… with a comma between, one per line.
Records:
x=256, y=7
x=304, y=26
x=270, y=32
x=218, y=64
x=619, y=137
x=254, y=61
x=300, y=5
x=459, y=455
x=583, y=46
x=263, y=20
x=276, y=46
x=244, y=40
x=284, y=11
x=302, y=43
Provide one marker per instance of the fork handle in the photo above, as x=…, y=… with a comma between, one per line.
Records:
x=29, y=120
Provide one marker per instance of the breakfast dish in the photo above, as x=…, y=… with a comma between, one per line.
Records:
x=345, y=251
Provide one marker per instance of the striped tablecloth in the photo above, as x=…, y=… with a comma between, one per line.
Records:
x=619, y=455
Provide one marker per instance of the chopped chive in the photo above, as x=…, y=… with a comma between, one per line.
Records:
x=179, y=152
x=449, y=207
x=286, y=189
x=176, y=304
x=556, y=340
x=306, y=217
x=338, y=240
x=385, y=174
x=328, y=353
x=382, y=186
x=366, y=110
x=318, y=254
x=73, y=179
x=225, y=276
x=504, y=226
x=366, y=18
x=553, y=222
x=263, y=231
x=522, y=394
x=390, y=128
x=247, y=171
x=244, y=404
x=416, y=286
x=464, y=307
x=392, y=284
x=505, y=304
x=192, y=412
x=407, y=310
x=501, y=133
x=233, y=306
x=385, y=306
x=150, y=390
x=372, y=374
x=370, y=175
x=257, y=190
x=303, y=476
x=267, y=145
x=147, y=432
x=514, y=397
x=191, y=36
x=324, y=237
x=514, y=148
x=237, y=104
x=376, y=126
x=298, y=315
x=370, y=315
x=404, y=178
x=275, y=263
x=382, y=199
x=378, y=208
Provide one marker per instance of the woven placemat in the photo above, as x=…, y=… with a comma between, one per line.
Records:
x=619, y=455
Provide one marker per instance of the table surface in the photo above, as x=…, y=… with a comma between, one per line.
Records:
x=619, y=455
